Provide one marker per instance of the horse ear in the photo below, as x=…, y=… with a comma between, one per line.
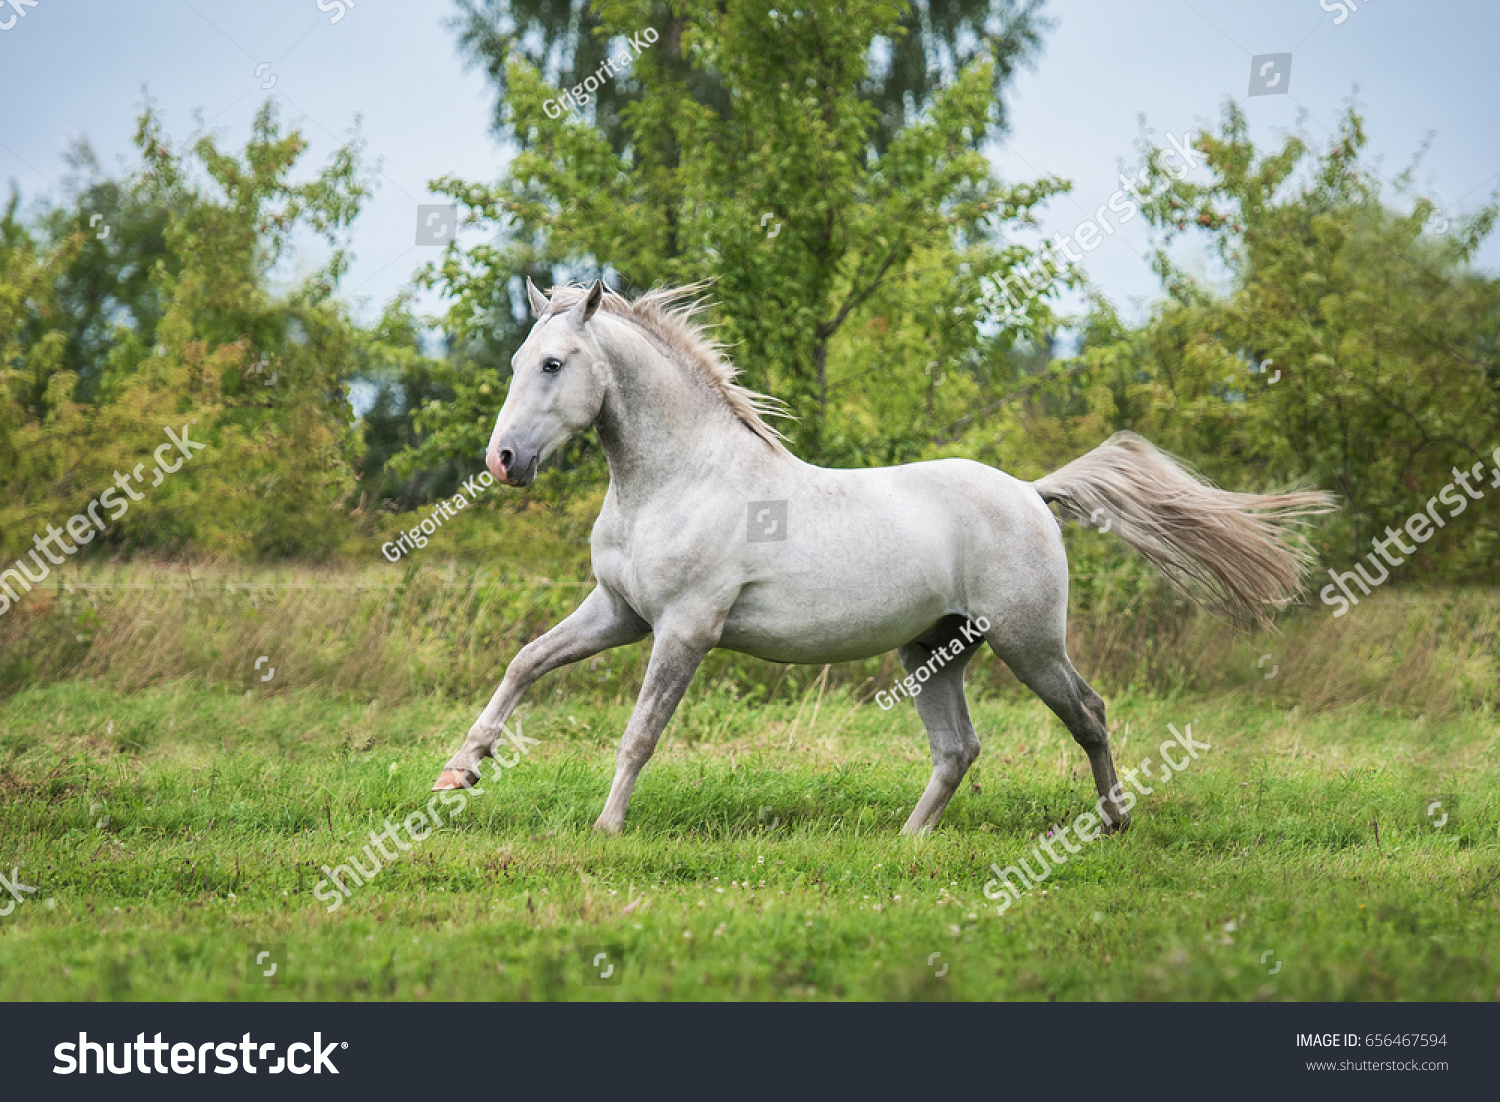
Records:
x=538, y=300
x=586, y=306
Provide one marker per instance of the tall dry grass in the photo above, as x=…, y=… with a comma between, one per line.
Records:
x=394, y=633
x=1426, y=651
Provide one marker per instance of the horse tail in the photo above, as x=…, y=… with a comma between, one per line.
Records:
x=1237, y=555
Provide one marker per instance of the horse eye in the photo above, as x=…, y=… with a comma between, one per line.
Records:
x=551, y=364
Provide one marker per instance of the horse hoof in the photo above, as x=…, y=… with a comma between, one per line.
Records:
x=455, y=778
x=608, y=828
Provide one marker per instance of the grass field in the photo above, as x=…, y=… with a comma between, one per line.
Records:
x=168, y=830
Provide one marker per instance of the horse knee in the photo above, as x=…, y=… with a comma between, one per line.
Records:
x=635, y=751
x=952, y=762
x=523, y=665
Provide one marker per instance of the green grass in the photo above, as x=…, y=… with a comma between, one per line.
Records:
x=760, y=859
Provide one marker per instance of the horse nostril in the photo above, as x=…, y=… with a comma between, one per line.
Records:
x=507, y=457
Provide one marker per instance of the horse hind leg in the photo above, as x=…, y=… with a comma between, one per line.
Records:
x=945, y=714
x=1101, y=758
x=1051, y=676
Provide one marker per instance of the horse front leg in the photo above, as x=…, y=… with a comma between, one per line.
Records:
x=675, y=658
x=602, y=621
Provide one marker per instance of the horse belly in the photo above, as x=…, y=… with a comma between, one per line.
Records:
x=872, y=562
x=817, y=624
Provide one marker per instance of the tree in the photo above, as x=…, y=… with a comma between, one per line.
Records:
x=263, y=376
x=112, y=279
x=1355, y=348
x=566, y=40
x=749, y=147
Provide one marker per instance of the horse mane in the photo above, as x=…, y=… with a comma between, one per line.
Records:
x=670, y=316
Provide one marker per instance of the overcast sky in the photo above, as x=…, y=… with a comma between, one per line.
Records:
x=76, y=68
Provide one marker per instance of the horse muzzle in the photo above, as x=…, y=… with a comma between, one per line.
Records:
x=512, y=465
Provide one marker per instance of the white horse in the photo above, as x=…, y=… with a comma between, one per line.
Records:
x=712, y=535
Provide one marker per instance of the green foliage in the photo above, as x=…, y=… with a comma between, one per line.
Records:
x=117, y=238
x=825, y=171
x=197, y=339
x=1383, y=334
x=750, y=152
x=1382, y=331
x=401, y=466
x=567, y=41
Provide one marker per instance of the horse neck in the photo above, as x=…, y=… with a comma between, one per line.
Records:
x=660, y=425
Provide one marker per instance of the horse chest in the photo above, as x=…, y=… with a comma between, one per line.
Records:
x=652, y=562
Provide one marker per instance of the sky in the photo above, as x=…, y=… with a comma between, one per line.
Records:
x=81, y=69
